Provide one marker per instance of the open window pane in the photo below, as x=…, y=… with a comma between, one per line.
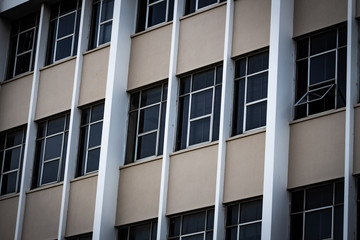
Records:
x=257, y=87
x=95, y=135
x=322, y=68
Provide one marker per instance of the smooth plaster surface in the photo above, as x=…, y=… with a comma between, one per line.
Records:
x=8, y=211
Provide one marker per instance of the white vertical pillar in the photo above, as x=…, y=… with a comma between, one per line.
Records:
x=351, y=99
x=170, y=121
x=28, y=162
x=4, y=42
x=75, y=115
x=113, y=139
x=275, y=218
x=225, y=122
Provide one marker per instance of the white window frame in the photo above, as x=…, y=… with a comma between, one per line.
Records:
x=99, y=23
x=148, y=5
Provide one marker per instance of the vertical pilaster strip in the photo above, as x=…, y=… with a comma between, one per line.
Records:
x=113, y=139
x=351, y=99
x=75, y=115
x=4, y=41
x=28, y=162
x=275, y=218
x=170, y=120
x=225, y=122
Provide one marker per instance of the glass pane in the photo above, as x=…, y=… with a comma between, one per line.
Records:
x=199, y=131
x=41, y=130
x=123, y=234
x=105, y=33
x=157, y=13
x=258, y=63
x=68, y=6
x=216, y=116
x=250, y=232
x=297, y=201
x=14, y=138
x=107, y=10
x=210, y=220
x=339, y=192
x=140, y=232
x=201, y=103
x=240, y=68
x=12, y=159
x=62, y=167
x=170, y=10
x=149, y=119
x=53, y=147
x=239, y=98
x=193, y=223
x=56, y=126
x=195, y=237
x=204, y=3
x=232, y=215
x=95, y=135
x=147, y=145
x=28, y=22
x=63, y=48
x=341, y=81
x=209, y=235
x=203, y=80
x=319, y=197
x=302, y=48
x=23, y=63
x=185, y=85
x=318, y=225
x=82, y=151
x=134, y=101
x=8, y=184
x=256, y=115
x=174, y=229
x=342, y=36
x=257, y=87
x=93, y=160
x=151, y=96
x=97, y=113
x=2, y=141
x=165, y=91
x=190, y=6
x=250, y=211
x=322, y=68
x=50, y=172
x=301, y=79
x=231, y=233
x=85, y=114
x=182, y=123
x=66, y=25
x=296, y=227
x=219, y=73
x=153, y=231
x=162, y=128
x=25, y=41
x=323, y=42
x=131, y=137
x=338, y=222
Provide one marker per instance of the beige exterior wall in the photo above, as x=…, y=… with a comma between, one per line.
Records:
x=251, y=31
x=139, y=192
x=317, y=149
x=201, y=40
x=81, y=206
x=311, y=15
x=244, y=172
x=192, y=179
x=55, y=89
x=357, y=141
x=149, y=57
x=8, y=211
x=15, y=102
x=42, y=212
x=94, y=76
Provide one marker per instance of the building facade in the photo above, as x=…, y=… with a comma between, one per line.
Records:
x=179, y=119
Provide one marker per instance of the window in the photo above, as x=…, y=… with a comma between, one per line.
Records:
x=243, y=220
x=101, y=22
x=250, y=96
x=90, y=139
x=146, y=123
x=144, y=230
x=358, y=209
x=317, y=212
x=194, y=5
x=11, y=153
x=87, y=236
x=64, y=29
x=22, y=45
x=153, y=12
x=195, y=225
x=50, y=150
x=321, y=72
x=199, y=108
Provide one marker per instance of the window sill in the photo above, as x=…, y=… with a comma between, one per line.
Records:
x=105, y=45
x=318, y=115
x=61, y=61
x=248, y=133
x=48, y=186
x=195, y=147
x=9, y=196
x=22, y=75
x=142, y=161
x=160, y=25
x=89, y=175
x=357, y=105
x=204, y=9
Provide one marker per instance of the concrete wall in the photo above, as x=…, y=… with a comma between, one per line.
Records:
x=251, y=31
x=42, y=213
x=55, y=89
x=15, y=102
x=244, y=172
x=149, y=57
x=192, y=179
x=8, y=211
x=94, y=75
x=201, y=40
x=317, y=149
x=81, y=206
x=139, y=192
x=311, y=15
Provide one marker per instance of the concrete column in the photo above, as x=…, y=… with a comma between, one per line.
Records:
x=275, y=219
x=113, y=140
x=28, y=162
x=75, y=115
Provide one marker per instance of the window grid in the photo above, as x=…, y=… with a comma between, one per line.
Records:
x=126, y=230
x=148, y=5
x=193, y=5
x=3, y=150
x=100, y=23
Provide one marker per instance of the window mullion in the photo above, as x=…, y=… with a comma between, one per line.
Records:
x=137, y=127
x=147, y=14
x=189, y=113
x=99, y=23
